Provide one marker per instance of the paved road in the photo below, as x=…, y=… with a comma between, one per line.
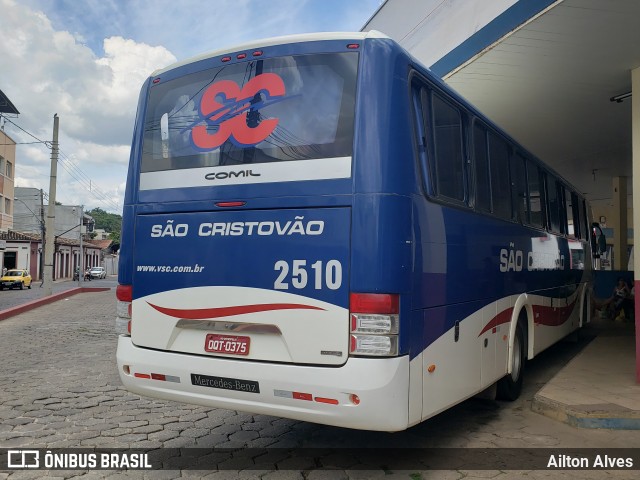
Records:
x=59, y=388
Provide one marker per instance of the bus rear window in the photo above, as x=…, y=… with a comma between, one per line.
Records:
x=268, y=110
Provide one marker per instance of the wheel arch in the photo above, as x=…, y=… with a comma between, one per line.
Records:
x=585, y=304
x=522, y=310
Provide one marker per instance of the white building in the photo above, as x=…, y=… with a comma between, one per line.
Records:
x=70, y=223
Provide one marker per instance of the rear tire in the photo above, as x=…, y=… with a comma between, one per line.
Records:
x=510, y=387
x=29, y=287
x=21, y=286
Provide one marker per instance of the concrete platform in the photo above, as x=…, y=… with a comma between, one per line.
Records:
x=597, y=388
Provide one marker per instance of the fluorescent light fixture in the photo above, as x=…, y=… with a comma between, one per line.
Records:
x=620, y=98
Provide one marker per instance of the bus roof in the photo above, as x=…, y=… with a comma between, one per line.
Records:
x=268, y=42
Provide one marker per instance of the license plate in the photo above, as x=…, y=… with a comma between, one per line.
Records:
x=229, y=344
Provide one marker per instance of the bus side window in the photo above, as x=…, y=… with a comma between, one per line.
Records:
x=500, y=181
x=578, y=227
x=420, y=103
x=553, y=204
x=481, y=168
x=571, y=221
x=536, y=199
x=520, y=189
x=584, y=224
x=448, y=153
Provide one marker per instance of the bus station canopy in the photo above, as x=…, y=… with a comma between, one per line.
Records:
x=545, y=72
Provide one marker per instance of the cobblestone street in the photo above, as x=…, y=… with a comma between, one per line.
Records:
x=59, y=388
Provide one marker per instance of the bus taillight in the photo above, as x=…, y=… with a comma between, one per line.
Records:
x=124, y=295
x=374, y=324
x=374, y=303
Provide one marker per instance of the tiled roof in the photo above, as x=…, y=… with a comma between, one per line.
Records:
x=12, y=236
x=101, y=244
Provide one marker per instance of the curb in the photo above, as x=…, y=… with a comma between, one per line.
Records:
x=10, y=312
x=588, y=416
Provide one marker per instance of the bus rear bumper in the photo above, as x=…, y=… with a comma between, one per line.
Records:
x=309, y=393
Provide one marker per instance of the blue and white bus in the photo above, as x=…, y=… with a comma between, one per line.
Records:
x=316, y=227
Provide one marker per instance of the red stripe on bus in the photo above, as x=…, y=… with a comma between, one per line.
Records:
x=502, y=317
x=204, y=313
x=548, y=316
x=552, y=317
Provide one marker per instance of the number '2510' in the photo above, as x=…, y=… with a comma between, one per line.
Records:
x=298, y=273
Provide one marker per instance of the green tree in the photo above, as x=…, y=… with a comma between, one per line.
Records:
x=110, y=222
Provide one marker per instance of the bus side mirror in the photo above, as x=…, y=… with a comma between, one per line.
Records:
x=598, y=240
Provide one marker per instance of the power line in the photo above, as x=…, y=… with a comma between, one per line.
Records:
x=48, y=144
x=71, y=168
x=85, y=180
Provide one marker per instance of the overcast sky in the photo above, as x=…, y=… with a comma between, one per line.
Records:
x=87, y=59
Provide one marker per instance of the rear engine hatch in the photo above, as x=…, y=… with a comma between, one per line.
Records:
x=268, y=285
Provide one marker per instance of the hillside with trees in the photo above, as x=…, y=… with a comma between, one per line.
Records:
x=110, y=222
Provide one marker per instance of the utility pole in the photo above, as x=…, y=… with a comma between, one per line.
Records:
x=81, y=274
x=42, y=236
x=51, y=212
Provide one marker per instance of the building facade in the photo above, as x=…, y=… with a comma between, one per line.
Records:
x=24, y=251
x=70, y=223
x=7, y=171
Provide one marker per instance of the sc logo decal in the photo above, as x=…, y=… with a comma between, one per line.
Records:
x=225, y=105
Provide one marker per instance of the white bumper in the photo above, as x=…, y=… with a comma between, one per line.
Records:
x=382, y=386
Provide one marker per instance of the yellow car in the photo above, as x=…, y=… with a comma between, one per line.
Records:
x=15, y=278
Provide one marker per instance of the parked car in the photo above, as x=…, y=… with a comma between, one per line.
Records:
x=98, y=272
x=15, y=278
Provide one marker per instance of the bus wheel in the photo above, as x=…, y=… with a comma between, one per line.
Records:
x=509, y=387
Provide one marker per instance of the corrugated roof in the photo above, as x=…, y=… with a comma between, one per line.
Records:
x=6, y=106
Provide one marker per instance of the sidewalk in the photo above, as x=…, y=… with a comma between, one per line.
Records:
x=597, y=388
x=13, y=302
